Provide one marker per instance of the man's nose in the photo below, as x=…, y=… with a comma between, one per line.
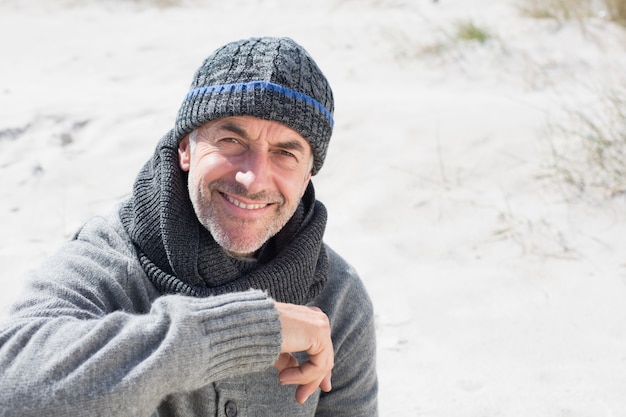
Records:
x=255, y=172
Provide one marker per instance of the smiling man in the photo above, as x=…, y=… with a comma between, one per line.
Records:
x=247, y=179
x=209, y=291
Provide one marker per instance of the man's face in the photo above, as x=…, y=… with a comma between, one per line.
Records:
x=246, y=178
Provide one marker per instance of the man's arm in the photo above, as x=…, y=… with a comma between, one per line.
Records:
x=125, y=364
x=89, y=338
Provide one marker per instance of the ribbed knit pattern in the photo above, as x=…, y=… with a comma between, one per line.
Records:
x=92, y=337
x=269, y=78
x=180, y=255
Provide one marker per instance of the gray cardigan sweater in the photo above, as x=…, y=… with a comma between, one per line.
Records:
x=93, y=337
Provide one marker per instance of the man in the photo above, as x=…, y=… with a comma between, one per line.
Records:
x=209, y=291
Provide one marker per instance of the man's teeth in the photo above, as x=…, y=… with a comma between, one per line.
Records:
x=243, y=205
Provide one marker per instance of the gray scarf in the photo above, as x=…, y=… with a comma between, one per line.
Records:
x=180, y=256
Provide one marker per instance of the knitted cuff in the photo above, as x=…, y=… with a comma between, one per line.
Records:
x=224, y=336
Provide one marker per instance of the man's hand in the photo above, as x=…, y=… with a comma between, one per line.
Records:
x=305, y=329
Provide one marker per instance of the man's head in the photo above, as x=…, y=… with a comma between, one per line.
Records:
x=269, y=78
x=254, y=127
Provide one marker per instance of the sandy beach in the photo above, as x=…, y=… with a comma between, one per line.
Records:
x=498, y=290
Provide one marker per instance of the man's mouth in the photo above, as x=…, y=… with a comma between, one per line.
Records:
x=243, y=205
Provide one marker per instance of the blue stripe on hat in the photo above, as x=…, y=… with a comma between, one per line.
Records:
x=263, y=85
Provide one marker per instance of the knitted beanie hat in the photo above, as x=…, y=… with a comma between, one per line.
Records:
x=269, y=78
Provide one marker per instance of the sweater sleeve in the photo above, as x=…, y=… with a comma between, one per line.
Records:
x=89, y=338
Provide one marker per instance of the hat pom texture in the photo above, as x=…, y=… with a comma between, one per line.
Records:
x=269, y=78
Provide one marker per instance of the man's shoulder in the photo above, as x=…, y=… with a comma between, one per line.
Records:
x=105, y=232
x=344, y=286
x=340, y=271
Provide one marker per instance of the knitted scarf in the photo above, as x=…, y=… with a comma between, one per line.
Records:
x=179, y=255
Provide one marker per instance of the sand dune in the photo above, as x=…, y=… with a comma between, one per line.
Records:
x=497, y=294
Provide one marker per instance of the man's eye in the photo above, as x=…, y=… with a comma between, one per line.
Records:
x=287, y=154
x=229, y=141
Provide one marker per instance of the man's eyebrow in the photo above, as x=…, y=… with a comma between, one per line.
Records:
x=291, y=145
x=235, y=128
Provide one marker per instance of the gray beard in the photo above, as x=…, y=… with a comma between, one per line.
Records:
x=208, y=218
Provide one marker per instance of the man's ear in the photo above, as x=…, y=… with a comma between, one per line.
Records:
x=184, y=153
x=307, y=180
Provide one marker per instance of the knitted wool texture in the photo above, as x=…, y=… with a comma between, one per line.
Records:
x=269, y=78
x=177, y=253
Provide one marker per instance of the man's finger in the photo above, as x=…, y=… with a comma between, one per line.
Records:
x=326, y=384
x=303, y=392
x=307, y=372
x=306, y=329
x=284, y=361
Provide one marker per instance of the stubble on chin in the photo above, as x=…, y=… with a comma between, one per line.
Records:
x=236, y=235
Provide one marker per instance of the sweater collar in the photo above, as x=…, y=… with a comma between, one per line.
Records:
x=180, y=256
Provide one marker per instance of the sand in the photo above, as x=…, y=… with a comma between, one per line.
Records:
x=498, y=290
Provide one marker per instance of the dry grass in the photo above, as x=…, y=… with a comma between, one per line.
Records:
x=468, y=31
x=589, y=147
x=563, y=10
x=560, y=10
x=616, y=10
